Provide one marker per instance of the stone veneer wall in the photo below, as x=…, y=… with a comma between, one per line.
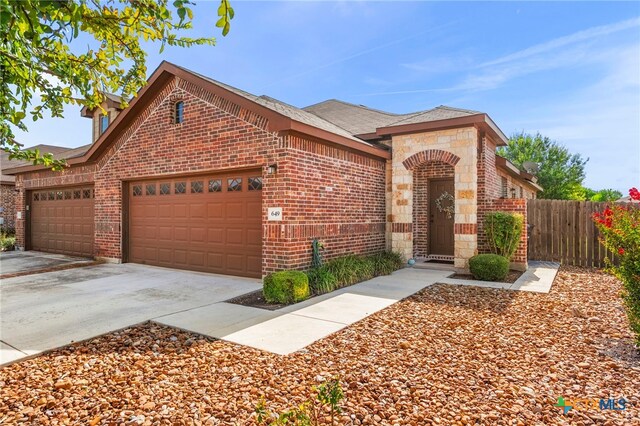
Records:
x=461, y=145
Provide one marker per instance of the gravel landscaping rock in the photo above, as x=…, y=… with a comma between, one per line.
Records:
x=448, y=355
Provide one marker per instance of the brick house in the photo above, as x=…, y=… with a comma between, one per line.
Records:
x=196, y=174
x=8, y=186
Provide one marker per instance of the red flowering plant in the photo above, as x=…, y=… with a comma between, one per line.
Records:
x=619, y=227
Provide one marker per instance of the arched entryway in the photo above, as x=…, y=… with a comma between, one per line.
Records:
x=434, y=206
x=433, y=211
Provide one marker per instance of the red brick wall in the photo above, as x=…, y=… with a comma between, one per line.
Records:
x=210, y=138
x=521, y=190
x=515, y=205
x=8, y=204
x=489, y=193
x=421, y=176
x=325, y=191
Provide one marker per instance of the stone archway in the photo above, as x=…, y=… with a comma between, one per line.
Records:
x=422, y=157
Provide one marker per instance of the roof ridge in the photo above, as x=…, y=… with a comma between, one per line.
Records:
x=354, y=105
x=307, y=112
x=458, y=109
x=417, y=114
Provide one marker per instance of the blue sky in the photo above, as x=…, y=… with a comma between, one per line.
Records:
x=569, y=70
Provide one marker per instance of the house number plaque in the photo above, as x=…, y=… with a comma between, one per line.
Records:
x=274, y=213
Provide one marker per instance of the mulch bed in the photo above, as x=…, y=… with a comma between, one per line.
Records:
x=448, y=355
x=511, y=278
x=255, y=299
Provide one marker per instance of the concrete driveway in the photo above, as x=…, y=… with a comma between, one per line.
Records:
x=48, y=310
x=25, y=262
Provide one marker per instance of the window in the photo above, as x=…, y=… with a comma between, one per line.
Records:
x=180, y=188
x=151, y=189
x=215, y=185
x=76, y=194
x=178, y=112
x=234, y=184
x=504, y=188
x=87, y=193
x=137, y=190
x=52, y=195
x=67, y=195
x=255, y=184
x=196, y=187
x=104, y=122
x=36, y=196
x=58, y=195
x=165, y=188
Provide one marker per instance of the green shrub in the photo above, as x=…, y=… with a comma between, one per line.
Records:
x=286, y=287
x=322, y=280
x=7, y=243
x=489, y=267
x=386, y=262
x=503, y=232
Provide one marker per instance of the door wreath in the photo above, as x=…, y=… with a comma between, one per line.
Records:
x=450, y=209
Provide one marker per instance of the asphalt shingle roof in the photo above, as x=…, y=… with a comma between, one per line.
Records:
x=5, y=163
x=359, y=119
x=285, y=109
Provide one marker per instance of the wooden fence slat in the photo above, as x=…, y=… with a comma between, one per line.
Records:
x=564, y=231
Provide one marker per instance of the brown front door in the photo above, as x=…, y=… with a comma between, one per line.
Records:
x=440, y=222
x=201, y=223
x=61, y=220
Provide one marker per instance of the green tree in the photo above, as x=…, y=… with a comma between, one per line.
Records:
x=61, y=52
x=561, y=173
x=605, y=195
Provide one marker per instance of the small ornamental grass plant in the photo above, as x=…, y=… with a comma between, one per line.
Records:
x=350, y=269
x=329, y=396
x=619, y=227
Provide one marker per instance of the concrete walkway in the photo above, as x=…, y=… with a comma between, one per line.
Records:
x=537, y=279
x=44, y=311
x=292, y=328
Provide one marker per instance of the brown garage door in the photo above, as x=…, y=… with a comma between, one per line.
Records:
x=61, y=220
x=204, y=223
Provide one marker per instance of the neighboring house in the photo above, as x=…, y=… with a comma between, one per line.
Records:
x=7, y=185
x=626, y=199
x=199, y=175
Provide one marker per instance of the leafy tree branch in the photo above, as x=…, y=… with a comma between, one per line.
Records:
x=43, y=68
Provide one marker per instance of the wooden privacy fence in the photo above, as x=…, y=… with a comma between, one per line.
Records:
x=564, y=231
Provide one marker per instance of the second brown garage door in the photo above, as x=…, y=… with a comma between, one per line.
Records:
x=204, y=223
x=61, y=220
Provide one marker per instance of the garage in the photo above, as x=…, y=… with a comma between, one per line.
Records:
x=61, y=220
x=208, y=223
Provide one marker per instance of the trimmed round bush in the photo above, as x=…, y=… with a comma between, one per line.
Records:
x=285, y=287
x=489, y=267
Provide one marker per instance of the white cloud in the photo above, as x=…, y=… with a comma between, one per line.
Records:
x=555, y=44
x=600, y=121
